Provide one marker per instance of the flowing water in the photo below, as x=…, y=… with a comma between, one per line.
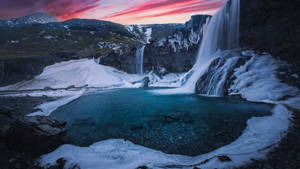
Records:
x=221, y=33
x=180, y=124
x=140, y=59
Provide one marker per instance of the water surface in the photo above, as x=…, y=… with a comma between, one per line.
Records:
x=175, y=124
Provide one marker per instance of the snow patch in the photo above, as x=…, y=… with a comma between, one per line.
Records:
x=47, y=108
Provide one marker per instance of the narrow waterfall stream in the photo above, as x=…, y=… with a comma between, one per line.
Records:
x=140, y=59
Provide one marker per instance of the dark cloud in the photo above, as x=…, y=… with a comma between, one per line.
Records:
x=62, y=9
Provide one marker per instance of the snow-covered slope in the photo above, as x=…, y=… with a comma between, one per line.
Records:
x=76, y=73
x=41, y=18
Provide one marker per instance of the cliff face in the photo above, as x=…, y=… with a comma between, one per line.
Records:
x=177, y=50
x=168, y=47
x=272, y=26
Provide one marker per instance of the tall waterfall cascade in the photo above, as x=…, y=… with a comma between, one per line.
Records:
x=221, y=33
x=140, y=59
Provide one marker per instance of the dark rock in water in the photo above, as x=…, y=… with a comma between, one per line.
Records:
x=146, y=81
x=142, y=167
x=272, y=26
x=224, y=158
x=137, y=127
x=236, y=96
x=178, y=117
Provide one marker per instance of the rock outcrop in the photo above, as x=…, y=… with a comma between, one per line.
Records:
x=23, y=139
x=272, y=26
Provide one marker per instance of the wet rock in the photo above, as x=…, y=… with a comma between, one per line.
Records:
x=6, y=111
x=35, y=135
x=236, y=96
x=142, y=167
x=272, y=26
x=22, y=139
x=224, y=158
x=179, y=116
x=137, y=127
x=61, y=162
x=146, y=81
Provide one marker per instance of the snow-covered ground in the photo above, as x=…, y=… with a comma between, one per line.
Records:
x=77, y=73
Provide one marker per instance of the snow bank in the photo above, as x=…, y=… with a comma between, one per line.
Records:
x=257, y=80
x=261, y=133
x=47, y=108
x=77, y=73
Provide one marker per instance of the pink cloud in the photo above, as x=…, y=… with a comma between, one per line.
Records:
x=62, y=9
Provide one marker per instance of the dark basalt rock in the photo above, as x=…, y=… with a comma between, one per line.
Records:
x=224, y=158
x=137, y=127
x=272, y=26
x=25, y=138
x=179, y=116
x=124, y=61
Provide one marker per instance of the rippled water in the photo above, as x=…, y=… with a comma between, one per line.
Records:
x=176, y=124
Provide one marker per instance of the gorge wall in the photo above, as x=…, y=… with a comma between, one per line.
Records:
x=272, y=26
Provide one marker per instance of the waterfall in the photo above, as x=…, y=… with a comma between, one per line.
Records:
x=221, y=33
x=139, y=60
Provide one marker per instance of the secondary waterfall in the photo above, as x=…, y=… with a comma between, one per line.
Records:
x=139, y=60
x=221, y=33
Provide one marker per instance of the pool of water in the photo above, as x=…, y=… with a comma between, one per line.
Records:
x=175, y=124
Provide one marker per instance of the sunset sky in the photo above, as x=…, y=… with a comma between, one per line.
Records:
x=121, y=11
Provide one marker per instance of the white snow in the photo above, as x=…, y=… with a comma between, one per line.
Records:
x=77, y=73
x=148, y=34
x=257, y=80
x=49, y=37
x=295, y=76
x=169, y=80
x=47, y=108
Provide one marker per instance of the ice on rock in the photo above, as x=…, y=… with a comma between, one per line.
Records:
x=257, y=80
